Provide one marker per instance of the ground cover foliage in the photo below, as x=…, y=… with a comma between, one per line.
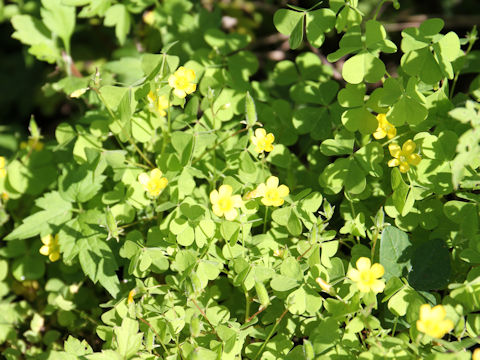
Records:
x=194, y=209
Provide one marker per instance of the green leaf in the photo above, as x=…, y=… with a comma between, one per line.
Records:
x=128, y=340
x=394, y=252
x=319, y=22
x=359, y=119
x=286, y=20
x=98, y=263
x=118, y=16
x=55, y=211
x=60, y=19
x=33, y=32
x=341, y=145
x=363, y=66
x=430, y=266
x=296, y=36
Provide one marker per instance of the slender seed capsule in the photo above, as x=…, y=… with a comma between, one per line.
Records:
x=262, y=294
x=195, y=326
x=308, y=351
x=111, y=225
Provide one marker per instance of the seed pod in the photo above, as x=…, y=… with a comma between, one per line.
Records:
x=195, y=326
x=262, y=294
x=308, y=351
x=325, y=286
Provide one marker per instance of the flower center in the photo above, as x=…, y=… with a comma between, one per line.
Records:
x=181, y=83
x=271, y=194
x=367, y=277
x=225, y=203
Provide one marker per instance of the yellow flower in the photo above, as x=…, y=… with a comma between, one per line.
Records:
x=432, y=321
x=34, y=144
x=476, y=354
x=366, y=276
x=182, y=82
x=324, y=285
x=158, y=103
x=50, y=247
x=404, y=156
x=153, y=183
x=272, y=194
x=384, y=128
x=5, y=196
x=224, y=204
x=3, y=171
x=262, y=141
x=131, y=294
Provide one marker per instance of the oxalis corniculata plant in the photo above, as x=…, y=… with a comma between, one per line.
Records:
x=191, y=212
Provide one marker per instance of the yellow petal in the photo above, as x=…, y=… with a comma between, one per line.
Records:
x=2, y=162
x=272, y=182
x=190, y=74
x=408, y=147
x=190, y=88
x=394, y=149
x=393, y=163
x=260, y=133
x=217, y=210
x=214, y=197
x=354, y=275
x=47, y=239
x=156, y=174
x=180, y=93
x=377, y=270
x=363, y=264
x=268, y=147
x=378, y=286
x=225, y=190
x=270, y=138
x=54, y=256
x=414, y=159
x=231, y=215
x=438, y=312
x=425, y=311
x=171, y=81
x=237, y=201
x=261, y=190
x=143, y=178
x=363, y=287
x=404, y=167
x=162, y=183
x=283, y=190
x=379, y=134
x=391, y=132
x=44, y=250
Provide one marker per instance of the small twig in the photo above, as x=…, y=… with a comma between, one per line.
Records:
x=206, y=318
x=270, y=334
x=156, y=334
x=260, y=309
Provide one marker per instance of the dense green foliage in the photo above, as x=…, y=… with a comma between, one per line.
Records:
x=201, y=202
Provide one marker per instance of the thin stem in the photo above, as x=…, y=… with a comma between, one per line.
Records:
x=259, y=352
x=265, y=220
x=247, y=306
x=457, y=74
x=374, y=243
x=206, y=318
x=378, y=9
x=217, y=144
x=156, y=334
x=140, y=152
x=260, y=309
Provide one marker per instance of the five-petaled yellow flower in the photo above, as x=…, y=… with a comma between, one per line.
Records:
x=404, y=156
x=3, y=171
x=271, y=193
x=153, y=183
x=159, y=103
x=367, y=276
x=50, y=247
x=384, y=128
x=262, y=141
x=224, y=204
x=182, y=82
x=432, y=321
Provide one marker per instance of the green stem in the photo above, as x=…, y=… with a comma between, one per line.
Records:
x=217, y=144
x=166, y=137
x=259, y=352
x=156, y=334
x=378, y=9
x=247, y=306
x=265, y=220
x=457, y=74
